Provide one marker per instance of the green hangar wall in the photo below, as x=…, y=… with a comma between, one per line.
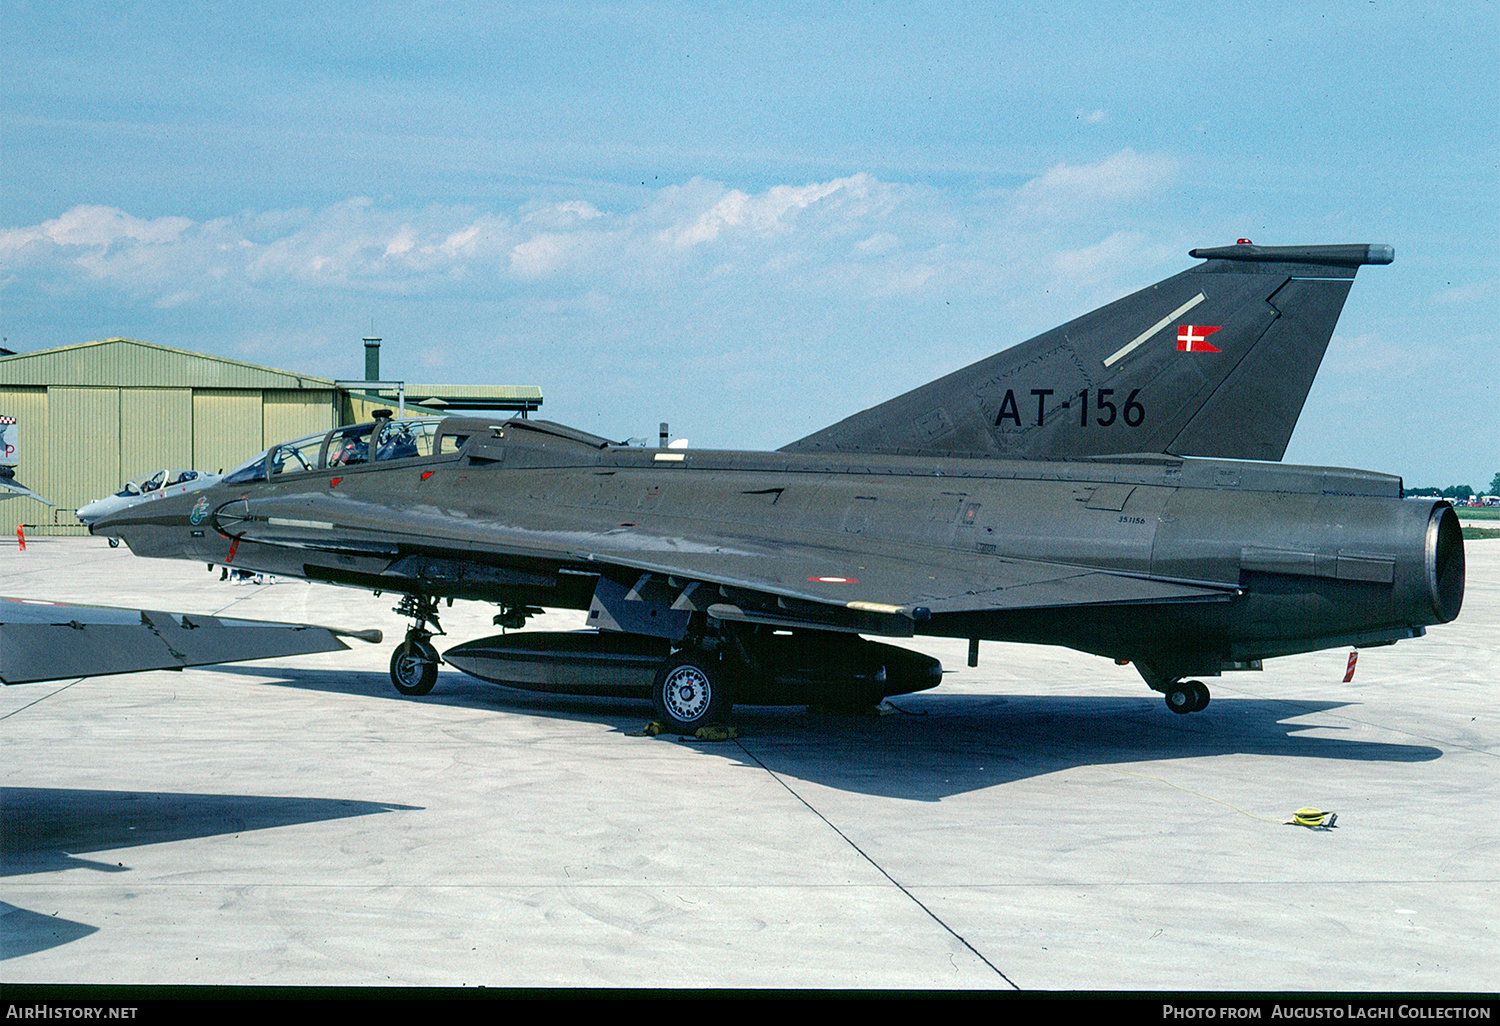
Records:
x=93, y=415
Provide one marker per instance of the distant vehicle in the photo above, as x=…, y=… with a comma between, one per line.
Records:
x=159, y=484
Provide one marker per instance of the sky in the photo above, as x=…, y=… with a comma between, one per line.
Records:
x=752, y=219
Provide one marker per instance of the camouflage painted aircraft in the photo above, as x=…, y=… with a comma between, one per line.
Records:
x=1104, y=486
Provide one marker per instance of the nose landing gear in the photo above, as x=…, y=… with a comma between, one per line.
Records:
x=414, y=664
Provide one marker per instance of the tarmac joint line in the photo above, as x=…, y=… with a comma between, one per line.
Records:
x=48, y=695
x=877, y=866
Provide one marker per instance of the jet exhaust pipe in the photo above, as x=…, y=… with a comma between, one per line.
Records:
x=1445, y=563
x=1387, y=572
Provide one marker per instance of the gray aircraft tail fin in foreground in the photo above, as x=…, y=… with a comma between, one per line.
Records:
x=1216, y=361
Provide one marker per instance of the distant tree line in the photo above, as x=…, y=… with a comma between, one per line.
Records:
x=1455, y=491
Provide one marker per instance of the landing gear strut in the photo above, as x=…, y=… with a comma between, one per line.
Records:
x=414, y=664
x=1183, y=696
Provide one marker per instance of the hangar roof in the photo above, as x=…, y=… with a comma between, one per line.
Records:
x=129, y=362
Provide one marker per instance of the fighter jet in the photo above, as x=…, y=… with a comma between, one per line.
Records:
x=1108, y=486
x=151, y=487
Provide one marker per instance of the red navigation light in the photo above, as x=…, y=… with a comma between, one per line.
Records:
x=1243, y=242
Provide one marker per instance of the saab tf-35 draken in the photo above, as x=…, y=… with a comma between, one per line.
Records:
x=1109, y=486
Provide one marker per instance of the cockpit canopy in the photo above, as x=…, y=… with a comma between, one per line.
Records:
x=148, y=483
x=350, y=446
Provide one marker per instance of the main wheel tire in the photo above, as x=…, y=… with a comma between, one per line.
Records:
x=1200, y=695
x=1181, y=697
x=691, y=692
x=414, y=667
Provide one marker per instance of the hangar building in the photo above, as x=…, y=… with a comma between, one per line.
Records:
x=90, y=416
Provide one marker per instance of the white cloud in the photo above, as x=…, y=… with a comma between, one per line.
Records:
x=804, y=281
x=96, y=226
x=1123, y=249
x=1074, y=191
x=878, y=244
x=547, y=252
x=766, y=212
x=562, y=215
x=847, y=239
x=402, y=243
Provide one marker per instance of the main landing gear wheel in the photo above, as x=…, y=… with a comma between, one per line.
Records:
x=414, y=667
x=1186, y=696
x=690, y=692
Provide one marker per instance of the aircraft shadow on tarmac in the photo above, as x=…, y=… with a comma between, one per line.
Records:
x=42, y=829
x=24, y=932
x=940, y=744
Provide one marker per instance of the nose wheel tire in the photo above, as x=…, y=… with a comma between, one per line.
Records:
x=690, y=692
x=1186, y=696
x=414, y=667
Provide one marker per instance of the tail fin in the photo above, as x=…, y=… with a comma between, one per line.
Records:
x=1215, y=361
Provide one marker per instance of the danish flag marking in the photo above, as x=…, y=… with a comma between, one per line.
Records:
x=1190, y=338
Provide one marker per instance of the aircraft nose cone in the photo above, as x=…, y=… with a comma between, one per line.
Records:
x=112, y=522
x=163, y=527
x=97, y=525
